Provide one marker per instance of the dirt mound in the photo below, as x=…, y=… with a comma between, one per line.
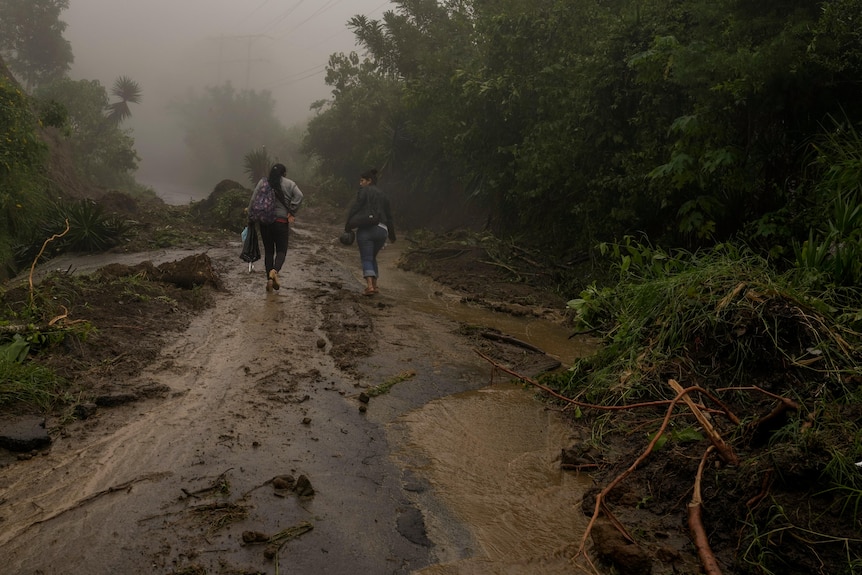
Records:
x=487, y=274
x=128, y=311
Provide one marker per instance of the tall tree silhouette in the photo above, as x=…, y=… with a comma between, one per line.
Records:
x=128, y=91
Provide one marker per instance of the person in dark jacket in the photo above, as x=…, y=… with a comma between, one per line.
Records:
x=371, y=237
x=275, y=235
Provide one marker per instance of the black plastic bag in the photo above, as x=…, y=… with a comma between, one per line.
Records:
x=250, y=245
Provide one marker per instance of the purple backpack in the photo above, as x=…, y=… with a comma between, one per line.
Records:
x=263, y=205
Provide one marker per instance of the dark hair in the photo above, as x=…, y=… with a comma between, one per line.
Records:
x=369, y=175
x=277, y=172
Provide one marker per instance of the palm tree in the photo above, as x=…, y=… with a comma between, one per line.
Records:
x=128, y=91
x=256, y=164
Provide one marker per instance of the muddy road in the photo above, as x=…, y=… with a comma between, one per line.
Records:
x=307, y=431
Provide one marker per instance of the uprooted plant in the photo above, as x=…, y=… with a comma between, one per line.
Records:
x=742, y=339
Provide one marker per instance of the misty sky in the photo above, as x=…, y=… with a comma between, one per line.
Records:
x=168, y=46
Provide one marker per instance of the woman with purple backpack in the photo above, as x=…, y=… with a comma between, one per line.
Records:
x=274, y=234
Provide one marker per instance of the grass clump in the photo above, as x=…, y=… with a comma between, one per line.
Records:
x=24, y=383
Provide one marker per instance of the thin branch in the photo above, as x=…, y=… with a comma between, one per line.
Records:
x=695, y=522
x=39, y=255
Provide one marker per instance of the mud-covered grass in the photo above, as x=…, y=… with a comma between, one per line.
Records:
x=79, y=337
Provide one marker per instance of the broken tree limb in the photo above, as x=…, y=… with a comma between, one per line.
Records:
x=511, y=340
x=39, y=255
x=125, y=486
x=723, y=448
x=552, y=393
x=604, y=492
x=695, y=522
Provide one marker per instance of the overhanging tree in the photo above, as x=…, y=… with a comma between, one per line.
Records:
x=31, y=40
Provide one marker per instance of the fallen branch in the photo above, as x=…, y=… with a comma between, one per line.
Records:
x=39, y=255
x=551, y=392
x=618, y=479
x=764, y=490
x=695, y=523
x=723, y=448
x=126, y=486
x=511, y=340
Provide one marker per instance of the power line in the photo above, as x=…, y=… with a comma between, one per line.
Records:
x=253, y=12
x=319, y=11
x=298, y=76
x=248, y=60
x=274, y=25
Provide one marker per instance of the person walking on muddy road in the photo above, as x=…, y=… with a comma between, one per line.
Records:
x=273, y=206
x=371, y=216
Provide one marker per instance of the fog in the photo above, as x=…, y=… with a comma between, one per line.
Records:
x=171, y=46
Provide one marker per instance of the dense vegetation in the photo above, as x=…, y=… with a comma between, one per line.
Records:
x=573, y=123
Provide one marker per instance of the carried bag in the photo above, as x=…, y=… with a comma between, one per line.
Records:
x=250, y=246
x=262, y=207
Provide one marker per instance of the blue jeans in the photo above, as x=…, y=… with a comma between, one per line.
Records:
x=370, y=241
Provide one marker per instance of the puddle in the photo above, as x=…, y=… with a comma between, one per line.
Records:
x=487, y=461
x=491, y=457
x=423, y=294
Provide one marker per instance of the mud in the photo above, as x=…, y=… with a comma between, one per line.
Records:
x=258, y=392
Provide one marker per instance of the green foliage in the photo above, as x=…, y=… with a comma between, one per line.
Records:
x=668, y=309
x=103, y=153
x=229, y=210
x=16, y=350
x=90, y=228
x=832, y=253
x=20, y=147
x=22, y=186
x=687, y=121
x=31, y=39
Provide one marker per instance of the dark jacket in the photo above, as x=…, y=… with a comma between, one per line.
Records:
x=372, y=199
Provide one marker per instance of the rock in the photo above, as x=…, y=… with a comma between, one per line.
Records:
x=303, y=487
x=254, y=537
x=411, y=525
x=610, y=545
x=85, y=410
x=283, y=482
x=24, y=434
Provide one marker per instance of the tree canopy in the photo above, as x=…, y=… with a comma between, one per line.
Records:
x=31, y=40
x=690, y=121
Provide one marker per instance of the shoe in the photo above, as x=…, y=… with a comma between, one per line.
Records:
x=268, y=286
x=369, y=291
x=273, y=277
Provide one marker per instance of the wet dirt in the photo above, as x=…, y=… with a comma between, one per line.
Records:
x=449, y=469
